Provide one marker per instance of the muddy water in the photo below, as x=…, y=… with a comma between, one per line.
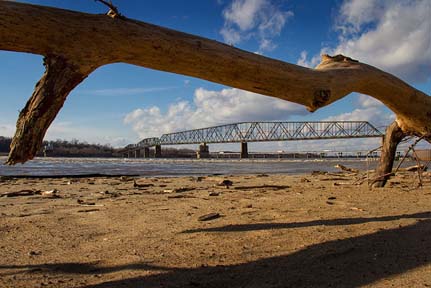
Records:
x=172, y=167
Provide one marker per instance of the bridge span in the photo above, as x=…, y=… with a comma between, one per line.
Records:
x=245, y=132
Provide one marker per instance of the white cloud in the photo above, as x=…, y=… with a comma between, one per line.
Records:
x=365, y=101
x=7, y=129
x=303, y=61
x=266, y=45
x=208, y=109
x=243, y=13
x=68, y=131
x=259, y=19
x=231, y=36
x=115, y=141
x=367, y=109
x=372, y=114
x=354, y=14
x=392, y=35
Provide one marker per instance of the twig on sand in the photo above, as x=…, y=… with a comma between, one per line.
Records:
x=277, y=187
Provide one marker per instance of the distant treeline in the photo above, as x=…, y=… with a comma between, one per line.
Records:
x=4, y=144
x=63, y=148
x=75, y=148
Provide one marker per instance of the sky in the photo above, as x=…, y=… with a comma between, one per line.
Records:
x=119, y=104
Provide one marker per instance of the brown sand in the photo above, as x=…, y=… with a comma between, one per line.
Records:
x=104, y=232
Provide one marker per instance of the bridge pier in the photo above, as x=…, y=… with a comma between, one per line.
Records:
x=158, y=151
x=244, y=150
x=137, y=153
x=146, y=152
x=203, y=151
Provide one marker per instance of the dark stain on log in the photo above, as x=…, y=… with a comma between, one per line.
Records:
x=261, y=89
x=321, y=97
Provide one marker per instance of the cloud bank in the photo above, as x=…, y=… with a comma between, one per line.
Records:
x=366, y=109
x=210, y=108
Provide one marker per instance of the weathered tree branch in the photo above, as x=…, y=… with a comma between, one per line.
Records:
x=392, y=138
x=87, y=41
x=59, y=79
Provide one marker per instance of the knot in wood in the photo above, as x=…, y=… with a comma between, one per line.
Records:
x=321, y=97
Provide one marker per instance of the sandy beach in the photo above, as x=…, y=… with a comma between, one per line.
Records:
x=320, y=230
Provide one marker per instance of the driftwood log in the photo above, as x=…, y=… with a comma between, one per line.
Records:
x=392, y=138
x=75, y=44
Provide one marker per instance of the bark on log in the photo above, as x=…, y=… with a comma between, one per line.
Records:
x=392, y=138
x=86, y=42
x=59, y=79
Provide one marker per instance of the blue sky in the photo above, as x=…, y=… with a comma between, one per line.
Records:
x=120, y=104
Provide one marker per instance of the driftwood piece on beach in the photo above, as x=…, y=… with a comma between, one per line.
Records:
x=210, y=216
x=414, y=168
x=275, y=187
x=145, y=185
x=333, y=179
x=31, y=192
x=347, y=169
x=75, y=44
x=24, y=192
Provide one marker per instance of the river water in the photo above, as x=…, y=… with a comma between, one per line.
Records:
x=175, y=167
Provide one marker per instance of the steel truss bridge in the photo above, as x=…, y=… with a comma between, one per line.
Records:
x=244, y=132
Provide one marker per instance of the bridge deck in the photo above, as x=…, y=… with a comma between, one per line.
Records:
x=266, y=131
